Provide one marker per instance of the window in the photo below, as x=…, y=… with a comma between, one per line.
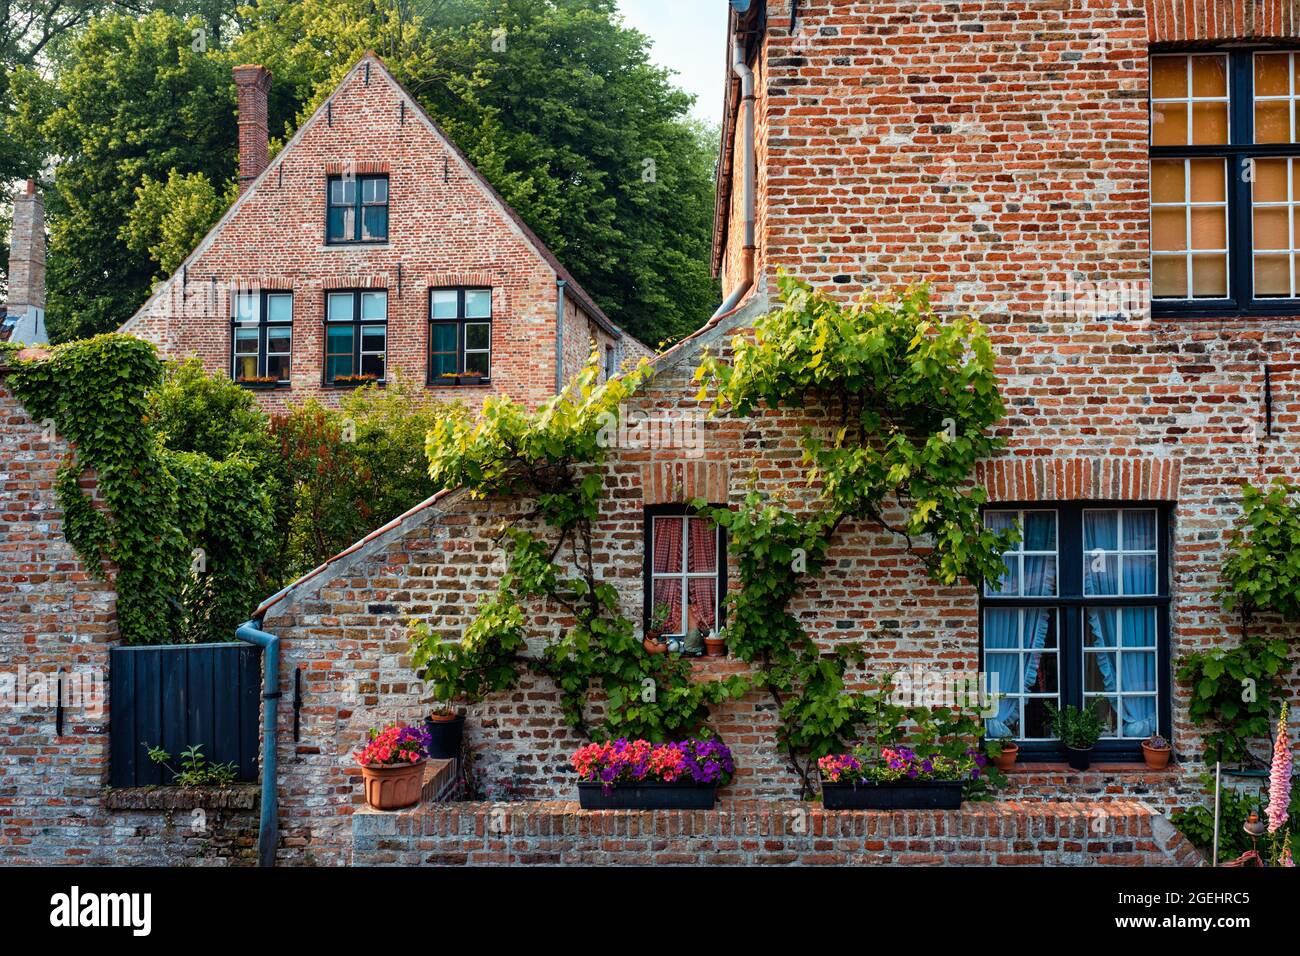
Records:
x=460, y=334
x=358, y=209
x=261, y=338
x=1080, y=616
x=686, y=569
x=356, y=337
x=1224, y=132
x=611, y=366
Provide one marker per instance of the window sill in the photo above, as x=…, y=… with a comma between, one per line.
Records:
x=239, y=796
x=478, y=383
x=376, y=244
x=345, y=386
x=1109, y=766
x=263, y=386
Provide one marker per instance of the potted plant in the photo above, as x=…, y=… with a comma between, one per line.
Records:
x=896, y=778
x=350, y=381
x=445, y=726
x=392, y=766
x=1156, y=752
x=1078, y=730
x=1004, y=751
x=259, y=381
x=715, y=644
x=653, y=641
x=640, y=775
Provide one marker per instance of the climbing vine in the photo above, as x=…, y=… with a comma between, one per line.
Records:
x=551, y=460
x=911, y=399
x=182, y=530
x=1234, y=690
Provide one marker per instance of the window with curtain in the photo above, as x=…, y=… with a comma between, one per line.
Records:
x=460, y=334
x=1224, y=138
x=686, y=569
x=261, y=338
x=1080, y=616
x=357, y=209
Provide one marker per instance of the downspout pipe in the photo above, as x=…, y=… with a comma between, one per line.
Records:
x=746, y=76
x=559, y=335
x=251, y=632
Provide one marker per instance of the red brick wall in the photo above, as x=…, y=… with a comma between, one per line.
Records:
x=770, y=834
x=444, y=229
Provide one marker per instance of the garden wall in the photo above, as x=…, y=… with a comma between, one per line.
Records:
x=57, y=624
x=769, y=834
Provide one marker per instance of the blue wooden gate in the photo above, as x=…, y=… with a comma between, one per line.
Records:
x=176, y=696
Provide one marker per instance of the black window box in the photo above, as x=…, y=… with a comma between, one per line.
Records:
x=357, y=383
x=461, y=380
x=647, y=796
x=892, y=795
x=261, y=385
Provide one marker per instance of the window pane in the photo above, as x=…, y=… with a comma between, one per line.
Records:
x=667, y=534
x=1273, y=121
x=442, y=337
x=340, y=307
x=372, y=365
x=1139, y=716
x=1101, y=627
x=1009, y=584
x=1210, y=277
x=1209, y=76
x=279, y=308
x=1169, y=277
x=1139, y=626
x=1040, y=531
x=278, y=338
x=1270, y=180
x=1001, y=627
x=1106, y=707
x=245, y=367
x=246, y=341
x=1039, y=575
x=1209, y=227
x=1099, y=673
x=1100, y=530
x=374, y=305
x=1000, y=520
x=702, y=548
x=278, y=365
x=1169, y=124
x=443, y=364
x=1272, y=74
x=337, y=366
x=374, y=222
x=1209, y=180
x=373, y=338
x=478, y=303
x=342, y=223
x=1209, y=123
x=1038, y=723
x=246, y=307
x=477, y=336
x=1272, y=228
x=476, y=363
x=374, y=190
x=1139, y=530
x=1168, y=76
x=1040, y=674
x=701, y=604
x=668, y=593
x=1169, y=230
x=443, y=304
x=343, y=192
x=1168, y=183
x=1273, y=276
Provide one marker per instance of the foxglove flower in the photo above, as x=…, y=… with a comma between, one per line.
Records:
x=1279, y=777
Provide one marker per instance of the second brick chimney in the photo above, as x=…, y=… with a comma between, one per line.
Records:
x=252, y=84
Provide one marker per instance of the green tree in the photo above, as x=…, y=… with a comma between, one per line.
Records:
x=131, y=99
x=170, y=218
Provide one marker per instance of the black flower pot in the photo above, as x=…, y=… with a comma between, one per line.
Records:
x=445, y=736
x=1079, y=758
x=647, y=796
x=892, y=795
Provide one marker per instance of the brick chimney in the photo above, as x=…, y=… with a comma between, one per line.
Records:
x=27, y=266
x=252, y=84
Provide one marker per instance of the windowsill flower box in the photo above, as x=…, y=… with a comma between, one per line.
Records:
x=356, y=381
x=896, y=779
x=640, y=775
x=262, y=382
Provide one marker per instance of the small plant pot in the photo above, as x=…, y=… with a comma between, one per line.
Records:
x=1007, y=759
x=445, y=735
x=715, y=647
x=393, y=788
x=653, y=646
x=1079, y=758
x=1156, y=758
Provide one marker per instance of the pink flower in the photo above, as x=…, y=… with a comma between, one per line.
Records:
x=1279, y=776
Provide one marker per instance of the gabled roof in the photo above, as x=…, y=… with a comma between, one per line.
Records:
x=573, y=288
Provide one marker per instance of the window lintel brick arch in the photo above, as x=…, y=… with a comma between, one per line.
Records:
x=677, y=482
x=1100, y=478
x=1183, y=21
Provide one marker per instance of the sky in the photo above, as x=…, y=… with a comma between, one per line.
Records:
x=690, y=38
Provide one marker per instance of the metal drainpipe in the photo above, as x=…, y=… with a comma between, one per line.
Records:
x=746, y=76
x=268, y=828
x=559, y=335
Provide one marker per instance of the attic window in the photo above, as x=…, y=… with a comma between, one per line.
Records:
x=357, y=209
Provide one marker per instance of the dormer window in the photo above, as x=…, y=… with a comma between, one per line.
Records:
x=358, y=209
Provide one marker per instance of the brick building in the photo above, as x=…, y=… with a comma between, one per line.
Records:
x=371, y=247
x=22, y=317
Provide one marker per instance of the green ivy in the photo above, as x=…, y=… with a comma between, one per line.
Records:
x=911, y=399
x=1234, y=690
x=159, y=504
x=552, y=458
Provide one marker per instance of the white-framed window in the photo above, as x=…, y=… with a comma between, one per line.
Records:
x=685, y=571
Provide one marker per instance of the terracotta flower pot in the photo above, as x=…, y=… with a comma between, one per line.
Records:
x=715, y=647
x=1007, y=759
x=653, y=646
x=1157, y=759
x=392, y=788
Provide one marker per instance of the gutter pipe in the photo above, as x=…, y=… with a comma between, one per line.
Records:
x=559, y=334
x=251, y=632
x=746, y=76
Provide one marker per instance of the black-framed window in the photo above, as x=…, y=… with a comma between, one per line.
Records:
x=1225, y=182
x=261, y=337
x=357, y=209
x=356, y=336
x=460, y=334
x=1081, y=616
x=685, y=569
